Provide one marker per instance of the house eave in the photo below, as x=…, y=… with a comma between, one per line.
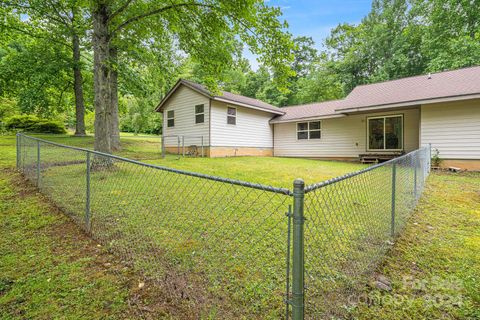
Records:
x=220, y=99
x=159, y=107
x=408, y=103
x=331, y=116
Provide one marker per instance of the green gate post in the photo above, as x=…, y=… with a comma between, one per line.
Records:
x=394, y=178
x=87, y=200
x=18, y=151
x=298, y=268
x=38, y=164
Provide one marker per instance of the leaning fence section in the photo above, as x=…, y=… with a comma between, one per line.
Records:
x=350, y=223
x=217, y=246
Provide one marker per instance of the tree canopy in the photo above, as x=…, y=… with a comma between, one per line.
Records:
x=130, y=52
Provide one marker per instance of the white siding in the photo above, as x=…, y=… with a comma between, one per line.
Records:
x=252, y=129
x=341, y=137
x=453, y=128
x=183, y=102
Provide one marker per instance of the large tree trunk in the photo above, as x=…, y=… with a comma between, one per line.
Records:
x=78, y=88
x=114, y=120
x=101, y=79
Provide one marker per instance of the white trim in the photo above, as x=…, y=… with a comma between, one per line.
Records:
x=384, y=133
x=332, y=116
x=232, y=116
x=308, y=130
x=247, y=105
x=408, y=103
x=197, y=114
x=159, y=107
x=171, y=118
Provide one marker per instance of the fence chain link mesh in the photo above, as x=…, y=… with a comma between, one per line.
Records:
x=218, y=245
x=350, y=223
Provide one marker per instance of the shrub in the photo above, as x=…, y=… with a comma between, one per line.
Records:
x=48, y=126
x=22, y=122
x=33, y=124
x=436, y=160
x=8, y=108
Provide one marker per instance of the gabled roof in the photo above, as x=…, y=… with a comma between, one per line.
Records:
x=318, y=110
x=225, y=96
x=461, y=83
x=436, y=87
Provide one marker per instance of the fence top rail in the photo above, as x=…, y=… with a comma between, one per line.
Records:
x=315, y=186
x=182, y=172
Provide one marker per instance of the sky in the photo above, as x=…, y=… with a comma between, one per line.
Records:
x=316, y=18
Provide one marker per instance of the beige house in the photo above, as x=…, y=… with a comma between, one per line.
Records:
x=374, y=121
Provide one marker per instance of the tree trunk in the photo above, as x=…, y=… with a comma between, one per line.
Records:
x=100, y=76
x=114, y=120
x=78, y=88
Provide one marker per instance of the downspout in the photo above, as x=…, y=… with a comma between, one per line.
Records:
x=273, y=139
x=209, y=127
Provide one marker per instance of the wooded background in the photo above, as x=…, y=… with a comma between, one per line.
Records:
x=103, y=66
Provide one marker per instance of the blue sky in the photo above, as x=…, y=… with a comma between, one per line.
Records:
x=316, y=18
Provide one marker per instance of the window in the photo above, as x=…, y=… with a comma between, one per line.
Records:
x=385, y=133
x=309, y=130
x=170, y=118
x=231, y=116
x=199, y=113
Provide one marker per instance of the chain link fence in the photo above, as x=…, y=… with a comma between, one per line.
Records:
x=184, y=145
x=217, y=246
x=223, y=248
x=350, y=223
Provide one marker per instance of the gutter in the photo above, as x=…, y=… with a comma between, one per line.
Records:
x=408, y=103
x=217, y=98
x=332, y=116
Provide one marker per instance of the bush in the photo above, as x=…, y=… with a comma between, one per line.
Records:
x=48, y=126
x=21, y=123
x=33, y=124
x=8, y=108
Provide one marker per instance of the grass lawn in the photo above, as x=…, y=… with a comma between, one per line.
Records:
x=226, y=260
x=434, y=267
x=278, y=172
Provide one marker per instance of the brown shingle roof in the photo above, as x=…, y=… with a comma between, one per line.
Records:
x=413, y=90
x=324, y=109
x=226, y=96
x=461, y=83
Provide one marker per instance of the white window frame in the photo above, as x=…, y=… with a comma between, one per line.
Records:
x=308, y=130
x=232, y=116
x=385, y=140
x=200, y=113
x=171, y=118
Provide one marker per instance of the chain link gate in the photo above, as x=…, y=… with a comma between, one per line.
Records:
x=226, y=238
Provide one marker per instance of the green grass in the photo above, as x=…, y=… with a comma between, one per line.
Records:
x=435, y=265
x=43, y=272
x=278, y=172
x=221, y=247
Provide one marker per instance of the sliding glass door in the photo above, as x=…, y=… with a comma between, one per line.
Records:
x=385, y=133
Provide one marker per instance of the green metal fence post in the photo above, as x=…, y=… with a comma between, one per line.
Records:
x=394, y=178
x=429, y=157
x=415, y=165
x=87, y=200
x=298, y=268
x=18, y=150
x=183, y=146
x=38, y=164
x=287, y=282
x=163, y=147
x=178, y=147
